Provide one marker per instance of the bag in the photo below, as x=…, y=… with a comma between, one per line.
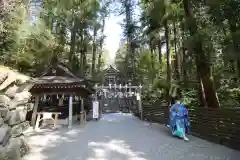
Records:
x=179, y=130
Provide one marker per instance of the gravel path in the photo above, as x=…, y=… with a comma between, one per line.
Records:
x=121, y=137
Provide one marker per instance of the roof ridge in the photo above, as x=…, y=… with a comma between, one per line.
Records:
x=62, y=66
x=111, y=66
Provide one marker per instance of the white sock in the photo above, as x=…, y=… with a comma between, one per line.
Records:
x=185, y=138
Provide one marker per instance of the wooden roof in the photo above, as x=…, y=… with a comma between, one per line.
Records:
x=58, y=74
x=59, y=78
x=111, y=69
x=56, y=80
x=61, y=70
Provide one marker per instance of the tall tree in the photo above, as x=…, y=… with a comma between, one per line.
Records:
x=203, y=67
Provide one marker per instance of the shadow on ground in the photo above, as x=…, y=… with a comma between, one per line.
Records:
x=121, y=137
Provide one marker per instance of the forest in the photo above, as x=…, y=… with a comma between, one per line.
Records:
x=187, y=48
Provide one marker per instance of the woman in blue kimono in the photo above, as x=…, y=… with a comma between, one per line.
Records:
x=171, y=103
x=179, y=121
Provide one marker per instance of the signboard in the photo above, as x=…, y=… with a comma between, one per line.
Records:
x=70, y=100
x=138, y=97
x=95, y=109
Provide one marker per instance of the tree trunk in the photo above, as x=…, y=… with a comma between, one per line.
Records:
x=101, y=45
x=238, y=67
x=84, y=64
x=201, y=95
x=177, y=60
x=99, y=59
x=152, y=47
x=202, y=64
x=94, y=51
x=82, y=50
x=131, y=44
x=168, y=62
x=81, y=64
x=233, y=29
x=73, y=40
x=159, y=45
x=176, y=52
x=183, y=64
x=83, y=60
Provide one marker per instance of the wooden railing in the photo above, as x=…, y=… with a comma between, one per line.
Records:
x=219, y=125
x=157, y=114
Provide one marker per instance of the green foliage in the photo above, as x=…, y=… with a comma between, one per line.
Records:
x=229, y=93
x=62, y=29
x=27, y=45
x=189, y=97
x=73, y=31
x=147, y=66
x=218, y=28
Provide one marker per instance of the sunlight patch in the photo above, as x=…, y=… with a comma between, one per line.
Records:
x=36, y=156
x=99, y=153
x=136, y=158
x=96, y=158
x=118, y=146
x=73, y=132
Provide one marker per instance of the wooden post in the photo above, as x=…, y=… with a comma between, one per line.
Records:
x=82, y=110
x=55, y=120
x=35, y=107
x=99, y=111
x=70, y=111
x=37, y=122
x=140, y=105
x=141, y=110
x=101, y=106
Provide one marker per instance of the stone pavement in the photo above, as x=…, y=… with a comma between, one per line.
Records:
x=121, y=137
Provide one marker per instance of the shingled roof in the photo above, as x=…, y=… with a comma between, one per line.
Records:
x=56, y=80
x=58, y=76
x=111, y=69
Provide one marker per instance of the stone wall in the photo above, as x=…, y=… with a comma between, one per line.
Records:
x=14, y=98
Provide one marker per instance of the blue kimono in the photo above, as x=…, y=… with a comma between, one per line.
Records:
x=179, y=121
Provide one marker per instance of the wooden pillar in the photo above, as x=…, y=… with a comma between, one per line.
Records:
x=37, y=122
x=101, y=106
x=82, y=111
x=35, y=107
x=140, y=105
x=55, y=120
x=70, y=108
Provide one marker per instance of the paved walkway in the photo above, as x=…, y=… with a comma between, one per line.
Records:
x=121, y=137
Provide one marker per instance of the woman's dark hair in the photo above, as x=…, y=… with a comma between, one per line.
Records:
x=177, y=98
x=173, y=100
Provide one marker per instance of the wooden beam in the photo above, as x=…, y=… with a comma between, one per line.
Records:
x=140, y=105
x=57, y=93
x=35, y=107
x=82, y=110
x=117, y=87
x=70, y=111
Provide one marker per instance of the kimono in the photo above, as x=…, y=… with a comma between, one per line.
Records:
x=179, y=120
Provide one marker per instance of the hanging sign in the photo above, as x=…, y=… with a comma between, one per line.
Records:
x=138, y=97
x=118, y=91
x=95, y=109
x=70, y=100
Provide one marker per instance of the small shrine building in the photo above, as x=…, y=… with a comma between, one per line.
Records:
x=59, y=93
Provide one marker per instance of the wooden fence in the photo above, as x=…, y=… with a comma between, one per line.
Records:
x=219, y=125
